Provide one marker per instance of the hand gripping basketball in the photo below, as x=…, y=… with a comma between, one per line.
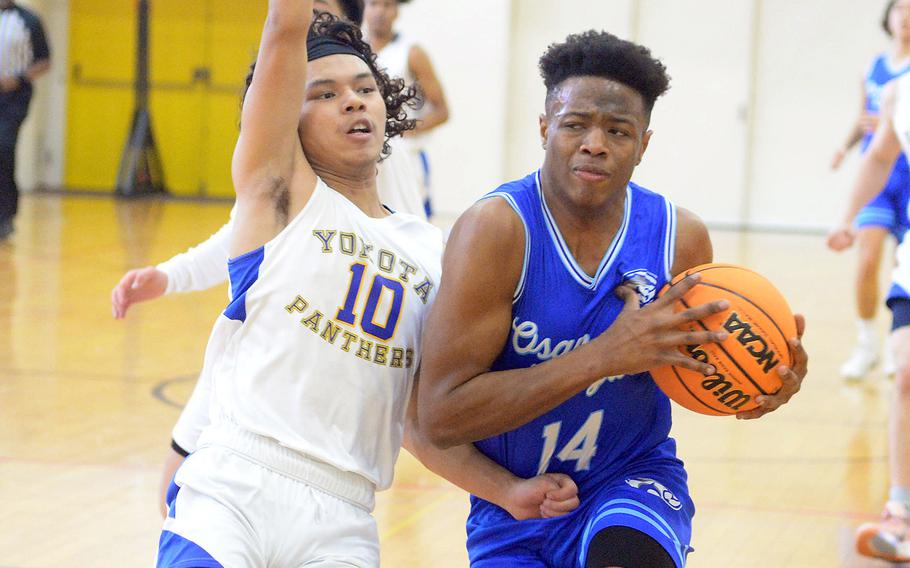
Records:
x=791, y=377
x=760, y=364
x=642, y=338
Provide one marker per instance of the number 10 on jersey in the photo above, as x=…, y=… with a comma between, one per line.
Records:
x=380, y=287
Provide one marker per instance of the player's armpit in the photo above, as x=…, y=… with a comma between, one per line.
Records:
x=268, y=159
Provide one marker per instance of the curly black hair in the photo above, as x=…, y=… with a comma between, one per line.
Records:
x=397, y=95
x=353, y=10
x=602, y=54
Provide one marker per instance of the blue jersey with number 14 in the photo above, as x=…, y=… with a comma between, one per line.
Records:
x=620, y=422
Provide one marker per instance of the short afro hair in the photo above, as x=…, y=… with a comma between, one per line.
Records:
x=601, y=54
x=395, y=93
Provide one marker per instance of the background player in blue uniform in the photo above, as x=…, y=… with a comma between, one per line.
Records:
x=546, y=321
x=887, y=212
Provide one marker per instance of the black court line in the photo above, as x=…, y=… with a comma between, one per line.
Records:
x=159, y=391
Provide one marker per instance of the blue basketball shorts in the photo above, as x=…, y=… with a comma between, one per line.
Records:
x=889, y=208
x=653, y=500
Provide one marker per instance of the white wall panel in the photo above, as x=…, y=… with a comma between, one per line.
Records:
x=809, y=59
x=535, y=25
x=468, y=44
x=813, y=54
x=698, y=151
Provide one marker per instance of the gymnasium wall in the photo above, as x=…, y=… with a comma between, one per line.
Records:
x=763, y=91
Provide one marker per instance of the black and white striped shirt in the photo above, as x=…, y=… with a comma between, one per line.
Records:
x=22, y=41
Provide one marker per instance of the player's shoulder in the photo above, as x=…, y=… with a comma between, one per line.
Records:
x=415, y=225
x=420, y=234
x=693, y=241
x=641, y=192
x=878, y=65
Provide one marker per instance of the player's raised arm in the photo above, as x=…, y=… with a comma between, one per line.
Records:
x=873, y=172
x=268, y=158
x=434, y=96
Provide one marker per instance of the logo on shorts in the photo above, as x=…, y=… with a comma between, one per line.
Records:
x=656, y=489
x=644, y=282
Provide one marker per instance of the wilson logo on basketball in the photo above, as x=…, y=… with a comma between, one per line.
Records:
x=718, y=385
x=757, y=323
x=755, y=345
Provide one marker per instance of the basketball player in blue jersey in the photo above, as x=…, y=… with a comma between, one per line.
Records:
x=886, y=213
x=547, y=320
x=311, y=366
x=889, y=539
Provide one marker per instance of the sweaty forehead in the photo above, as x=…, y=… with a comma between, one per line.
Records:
x=595, y=94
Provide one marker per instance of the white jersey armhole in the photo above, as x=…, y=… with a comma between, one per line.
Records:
x=670, y=239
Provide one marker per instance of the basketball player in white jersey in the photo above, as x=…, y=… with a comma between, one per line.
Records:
x=312, y=363
x=205, y=265
x=890, y=538
x=401, y=57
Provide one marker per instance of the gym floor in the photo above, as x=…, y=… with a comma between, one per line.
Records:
x=87, y=403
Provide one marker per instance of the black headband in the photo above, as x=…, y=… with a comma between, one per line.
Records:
x=323, y=46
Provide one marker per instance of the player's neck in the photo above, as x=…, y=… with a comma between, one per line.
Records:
x=587, y=230
x=359, y=189
x=900, y=52
x=379, y=39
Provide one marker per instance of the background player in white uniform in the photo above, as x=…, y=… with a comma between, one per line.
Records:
x=401, y=57
x=205, y=265
x=887, y=212
x=312, y=363
x=890, y=538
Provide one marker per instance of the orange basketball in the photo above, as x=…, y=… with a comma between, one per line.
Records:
x=759, y=323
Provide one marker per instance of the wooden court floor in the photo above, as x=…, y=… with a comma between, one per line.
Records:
x=87, y=403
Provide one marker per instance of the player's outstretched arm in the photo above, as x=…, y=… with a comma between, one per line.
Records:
x=437, y=108
x=874, y=170
x=461, y=400
x=543, y=496
x=268, y=159
x=137, y=285
x=199, y=268
x=865, y=122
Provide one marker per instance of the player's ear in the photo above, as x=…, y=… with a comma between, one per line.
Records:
x=645, y=139
x=544, y=123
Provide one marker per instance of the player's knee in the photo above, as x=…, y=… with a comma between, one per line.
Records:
x=625, y=547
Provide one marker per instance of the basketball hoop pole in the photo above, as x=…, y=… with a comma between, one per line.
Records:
x=140, y=171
